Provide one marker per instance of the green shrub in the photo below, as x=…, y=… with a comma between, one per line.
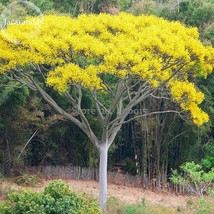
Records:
x=194, y=177
x=57, y=190
x=56, y=199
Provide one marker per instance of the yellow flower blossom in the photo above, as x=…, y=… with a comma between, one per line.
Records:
x=79, y=50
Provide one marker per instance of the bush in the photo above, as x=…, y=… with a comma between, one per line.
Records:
x=27, y=180
x=194, y=177
x=56, y=199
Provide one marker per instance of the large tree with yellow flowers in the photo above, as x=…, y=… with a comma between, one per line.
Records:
x=119, y=60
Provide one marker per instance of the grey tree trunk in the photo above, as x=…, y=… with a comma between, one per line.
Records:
x=103, y=176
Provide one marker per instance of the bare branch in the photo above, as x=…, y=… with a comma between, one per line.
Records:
x=97, y=105
x=121, y=117
x=168, y=65
x=128, y=90
x=28, y=84
x=178, y=136
x=118, y=95
x=70, y=98
x=149, y=114
x=43, y=67
x=33, y=135
x=85, y=123
x=159, y=97
x=40, y=71
x=94, y=96
x=109, y=89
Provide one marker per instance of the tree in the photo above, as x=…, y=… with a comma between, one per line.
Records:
x=118, y=61
x=195, y=178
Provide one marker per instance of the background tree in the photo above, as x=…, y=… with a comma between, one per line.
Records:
x=92, y=57
x=191, y=141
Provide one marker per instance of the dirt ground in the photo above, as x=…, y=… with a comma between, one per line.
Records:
x=127, y=195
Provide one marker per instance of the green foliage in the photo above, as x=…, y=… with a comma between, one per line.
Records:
x=208, y=161
x=193, y=13
x=46, y=5
x=209, y=34
x=13, y=94
x=56, y=199
x=137, y=209
x=57, y=190
x=75, y=7
x=143, y=7
x=124, y=4
x=202, y=15
x=130, y=165
x=194, y=177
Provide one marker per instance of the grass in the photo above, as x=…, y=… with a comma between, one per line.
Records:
x=202, y=206
x=115, y=206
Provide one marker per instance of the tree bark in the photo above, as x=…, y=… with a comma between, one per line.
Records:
x=103, y=176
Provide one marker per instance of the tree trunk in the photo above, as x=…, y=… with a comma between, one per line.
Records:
x=103, y=176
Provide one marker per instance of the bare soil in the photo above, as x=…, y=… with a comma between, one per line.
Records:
x=127, y=195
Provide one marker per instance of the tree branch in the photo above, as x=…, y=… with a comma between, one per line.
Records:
x=28, y=142
x=149, y=114
x=97, y=106
x=159, y=97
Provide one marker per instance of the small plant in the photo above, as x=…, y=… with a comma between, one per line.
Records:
x=115, y=206
x=200, y=206
x=27, y=180
x=56, y=199
x=180, y=209
x=57, y=190
x=194, y=177
x=135, y=209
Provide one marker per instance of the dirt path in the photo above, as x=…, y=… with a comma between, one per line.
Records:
x=128, y=195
